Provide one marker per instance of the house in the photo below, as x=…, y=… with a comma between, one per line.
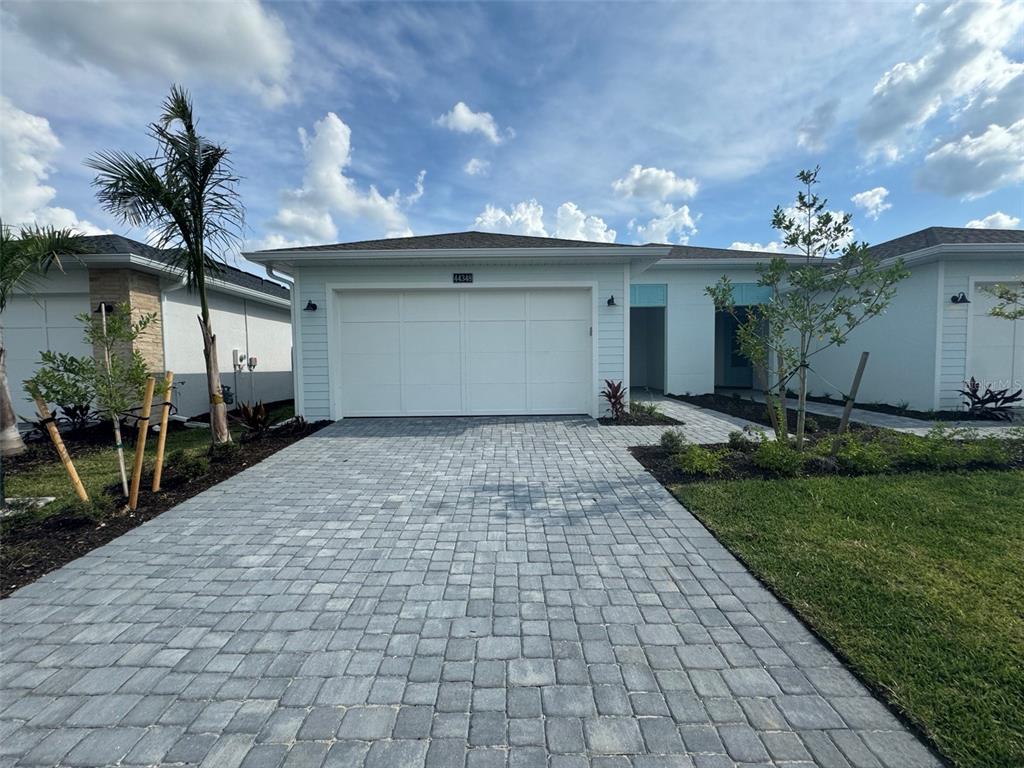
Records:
x=476, y=323
x=249, y=314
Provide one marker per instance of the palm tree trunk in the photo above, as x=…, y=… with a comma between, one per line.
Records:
x=218, y=410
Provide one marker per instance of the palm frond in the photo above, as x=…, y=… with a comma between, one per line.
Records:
x=27, y=255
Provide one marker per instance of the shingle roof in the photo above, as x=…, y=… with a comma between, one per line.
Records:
x=456, y=241
x=926, y=238
x=117, y=244
x=691, y=252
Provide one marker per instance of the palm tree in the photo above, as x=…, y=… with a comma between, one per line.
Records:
x=187, y=194
x=25, y=257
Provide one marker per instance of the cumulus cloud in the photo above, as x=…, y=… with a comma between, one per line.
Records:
x=997, y=220
x=308, y=212
x=669, y=225
x=872, y=201
x=775, y=246
x=815, y=126
x=654, y=183
x=477, y=167
x=527, y=218
x=973, y=166
x=238, y=42
x=771, y=247
x=573, y=224
x=965, y=83
x=28, y=148
x=462, y=119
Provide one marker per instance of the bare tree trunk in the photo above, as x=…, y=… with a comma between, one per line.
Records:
x=115, y=418
x=801, y=407
x=10, y=439
x=218, y=410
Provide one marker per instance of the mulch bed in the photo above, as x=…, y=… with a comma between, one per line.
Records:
x=894, y=410
x=638, y=420
x=751, y=410
x=35, y=546
x=661, y=464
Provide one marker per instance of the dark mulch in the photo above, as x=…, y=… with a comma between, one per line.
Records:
x=638, y=420
x=910, y=413
x=36, y=546
x=661, y=464
x=751, y=410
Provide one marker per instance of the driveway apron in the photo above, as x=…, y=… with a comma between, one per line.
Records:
x=397, y=593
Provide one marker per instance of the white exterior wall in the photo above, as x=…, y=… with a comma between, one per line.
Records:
x=902, y=347
x=255, y=328
x=690, y=323
x=315, y=399
x=955, y=343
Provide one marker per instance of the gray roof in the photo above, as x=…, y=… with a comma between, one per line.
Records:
x=116, y=244
x=455, y=241
x=926, y=238
x=692, y=252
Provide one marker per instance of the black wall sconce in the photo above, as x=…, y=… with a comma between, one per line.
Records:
x=611, y=300
x=310, y=306
x=103, y=306
x=960, y=298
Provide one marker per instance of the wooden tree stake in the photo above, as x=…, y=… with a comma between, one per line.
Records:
x=62, y=451
x=140, y=443
x=844, y=422
x=161, y=440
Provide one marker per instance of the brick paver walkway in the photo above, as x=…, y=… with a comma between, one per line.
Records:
x=441, y=592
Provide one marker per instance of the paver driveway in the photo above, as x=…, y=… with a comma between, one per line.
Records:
x=397, y=593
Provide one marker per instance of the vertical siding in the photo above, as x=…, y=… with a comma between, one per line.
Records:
x=314, y=355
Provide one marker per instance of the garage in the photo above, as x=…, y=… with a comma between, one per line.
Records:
x=996, y=356
x=452, y=351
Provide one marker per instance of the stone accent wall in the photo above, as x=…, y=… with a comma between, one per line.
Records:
x=142, y=292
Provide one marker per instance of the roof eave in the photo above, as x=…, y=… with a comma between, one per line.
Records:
x=577, y=253
x=945, y=250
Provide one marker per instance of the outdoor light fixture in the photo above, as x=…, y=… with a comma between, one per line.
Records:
x=310, y=306
x=103, y=306
x=960, y=298
x=611, y=300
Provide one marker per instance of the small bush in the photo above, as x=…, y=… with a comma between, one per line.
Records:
x=187, y=465
x=638, y=407
x=778, y=457
x=223, y=451
x=615, y=395
x=255, y=419
x=672, y=440
x=95, y=509
x=698, y=460
x=739, y=441
x=863, y=458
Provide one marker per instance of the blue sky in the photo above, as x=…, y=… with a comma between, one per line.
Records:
x=636, y=122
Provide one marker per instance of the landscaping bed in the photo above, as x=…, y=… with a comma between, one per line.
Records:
x=910, y=413
x=757, y=412
x=41, y=540
x=915, y=580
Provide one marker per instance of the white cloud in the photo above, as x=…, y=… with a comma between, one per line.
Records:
x=309, y=211
x=654, y=183
x=524, y=218
x=573, y=224
x=997, y=220
x=814, y=127
x=972, y=167
x=771, y=247
x=872, y=201
x=28, y=147
x=963, y=72
x=775, y=246
x=238, y=42
x=669, y=225
x=477, y=167
x=462, y=119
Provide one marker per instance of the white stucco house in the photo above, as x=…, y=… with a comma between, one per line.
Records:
x=476, y=323
x=249, y=314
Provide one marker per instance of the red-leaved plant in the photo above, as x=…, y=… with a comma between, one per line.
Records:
x=994, y=403
x=615, y=394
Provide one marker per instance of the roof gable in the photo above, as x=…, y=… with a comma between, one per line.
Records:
x=452, y=241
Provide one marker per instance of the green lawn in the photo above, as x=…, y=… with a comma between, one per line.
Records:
x=917, y=579
x=97, y=466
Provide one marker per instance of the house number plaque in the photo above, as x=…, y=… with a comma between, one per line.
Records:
x=462, y=277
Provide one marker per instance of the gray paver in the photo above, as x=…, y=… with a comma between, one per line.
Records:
x=447, y=592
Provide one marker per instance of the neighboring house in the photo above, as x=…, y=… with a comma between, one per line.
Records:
x=475, y=323
x=248, y=313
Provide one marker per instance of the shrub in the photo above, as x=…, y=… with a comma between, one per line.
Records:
x=639, y=407
x=672, y=440
x=187, y=465
x=698, y=460
x=615, y=395
x=739, y=441
x=863, y=458
x=992, y=403
x=778, y=457
x=255, y=419
x=223, y=451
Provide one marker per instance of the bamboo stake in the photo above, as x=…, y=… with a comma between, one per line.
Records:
x=62, y=451
x=161, y=440
x=844, y=422
x=140, y=443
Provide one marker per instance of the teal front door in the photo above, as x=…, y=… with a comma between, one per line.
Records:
x=735, y=370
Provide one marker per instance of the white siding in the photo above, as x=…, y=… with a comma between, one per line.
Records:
x=315, y=375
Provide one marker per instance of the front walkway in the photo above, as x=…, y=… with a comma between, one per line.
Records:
x=399, y=593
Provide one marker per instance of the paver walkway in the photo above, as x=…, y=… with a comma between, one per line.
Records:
x=441, y=592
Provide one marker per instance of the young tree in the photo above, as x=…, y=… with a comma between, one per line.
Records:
x=114, y=378
x=25, y=257
x=188, y=194
x=1011, y=300
x=817, y=299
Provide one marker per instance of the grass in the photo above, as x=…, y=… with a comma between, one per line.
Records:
x=97, y=465
x=918, y=580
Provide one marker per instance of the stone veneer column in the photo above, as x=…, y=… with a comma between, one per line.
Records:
x=142, y=292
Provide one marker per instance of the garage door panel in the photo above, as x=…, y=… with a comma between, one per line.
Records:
x=557, y=398
x=559, y=336
x=496, y=305
x=560, y=305
x=568, y=367
x=371, y=338
x=360, y=307
x=431, y=306
x=490, y=336
x=497, y=398
x=431, y=399
x=496, y=367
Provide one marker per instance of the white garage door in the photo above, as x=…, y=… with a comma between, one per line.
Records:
x=997, y=345
x=464, y=352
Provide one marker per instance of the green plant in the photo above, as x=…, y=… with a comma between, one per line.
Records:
x=615, y=395
x=67, y=381
x=863, y=457
x=222, y=451
x=639, y=407
x=255, y=419
x=740, y=441
x=816, y=301
x=672, y=440
x=187, y=465
x=778, y=457
x=698, y=460
x=187, y=194
x=992, y=403
x=1011, y=300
